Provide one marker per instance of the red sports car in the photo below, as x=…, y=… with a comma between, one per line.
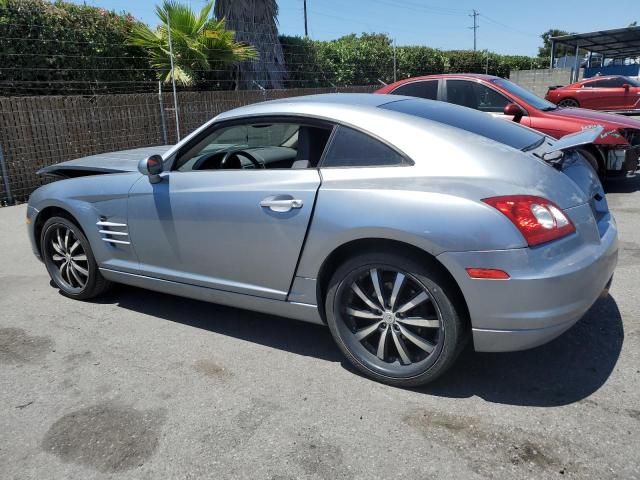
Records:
x=616, y=150
x=599, y=93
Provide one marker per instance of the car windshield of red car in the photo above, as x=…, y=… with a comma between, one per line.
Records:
x=524, y=94
x=631, y=81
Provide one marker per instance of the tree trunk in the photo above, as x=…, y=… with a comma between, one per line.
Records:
x=255, y=22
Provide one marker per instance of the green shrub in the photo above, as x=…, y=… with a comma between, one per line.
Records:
x=413, y=61
x=366, y=59
x=67, y=48
x=302, y=63
x=64, y=48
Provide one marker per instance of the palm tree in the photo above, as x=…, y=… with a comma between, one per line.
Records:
x=256, y=22
x=198, y=42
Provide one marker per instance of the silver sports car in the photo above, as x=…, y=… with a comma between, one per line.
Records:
x=407, y=226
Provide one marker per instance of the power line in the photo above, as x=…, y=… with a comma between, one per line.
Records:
x=504, y=25
x=419, y=7
x=475, y=27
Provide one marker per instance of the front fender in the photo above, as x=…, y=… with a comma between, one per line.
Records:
x=87, y=200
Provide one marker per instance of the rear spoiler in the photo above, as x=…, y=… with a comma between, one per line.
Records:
x=553, y=87
x=585, y=137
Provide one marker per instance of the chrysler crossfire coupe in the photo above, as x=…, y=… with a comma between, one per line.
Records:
x=407, y=226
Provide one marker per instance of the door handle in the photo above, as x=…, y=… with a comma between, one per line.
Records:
x=280, y=203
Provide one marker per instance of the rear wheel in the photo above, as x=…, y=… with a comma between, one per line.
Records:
x=592, y=160
x=568, y=103
x=69, y=260
x=395, y=319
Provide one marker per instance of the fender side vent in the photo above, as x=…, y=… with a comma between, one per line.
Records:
x=114, y=233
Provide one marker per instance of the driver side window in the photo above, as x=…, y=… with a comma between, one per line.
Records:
x=256, y=145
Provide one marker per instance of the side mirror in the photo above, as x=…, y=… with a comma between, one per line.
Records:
x=151, y=167
x=626, y=86
x=515, y=111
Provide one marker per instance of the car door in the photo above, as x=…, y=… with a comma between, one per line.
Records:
x=607, y=94
x=589, y=95
x=232, y=227
x=630, y=96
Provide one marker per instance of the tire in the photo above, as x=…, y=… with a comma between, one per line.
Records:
x=69, y=260
x=439, y=324
x=568, y=103
x=592, y=160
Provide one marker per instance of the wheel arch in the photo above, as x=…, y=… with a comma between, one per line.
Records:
x=45, y=214
x=599, y=155
x=342, y=252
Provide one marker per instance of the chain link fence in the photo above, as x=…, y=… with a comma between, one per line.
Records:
x=44, y=130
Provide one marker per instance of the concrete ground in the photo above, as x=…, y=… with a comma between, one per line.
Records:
x=147, y=386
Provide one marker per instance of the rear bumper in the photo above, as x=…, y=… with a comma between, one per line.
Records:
x=485, y=340
x=551, y=287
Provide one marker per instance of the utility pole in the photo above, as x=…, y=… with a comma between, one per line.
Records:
x=306, y=32
x=395, y=68
x=475, y=27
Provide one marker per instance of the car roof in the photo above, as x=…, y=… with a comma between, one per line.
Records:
x=407, y=132
x=477, y=76
x=599, y=77
x=329, y=106
x=312, y=104
x=362, y=110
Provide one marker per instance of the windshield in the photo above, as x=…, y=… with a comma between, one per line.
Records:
x=502, y=131
x=526, y=96
x=632, y=82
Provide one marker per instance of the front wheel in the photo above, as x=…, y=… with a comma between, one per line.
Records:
x=69, y=260
x=397, y=320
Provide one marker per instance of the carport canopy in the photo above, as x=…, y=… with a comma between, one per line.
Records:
x=616, y=43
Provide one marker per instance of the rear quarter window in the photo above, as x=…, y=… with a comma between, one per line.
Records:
x=351, y=148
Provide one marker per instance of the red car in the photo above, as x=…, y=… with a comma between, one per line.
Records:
x=616, y=150
x=599, y=93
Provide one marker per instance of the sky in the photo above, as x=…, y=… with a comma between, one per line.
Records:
x=508, y=27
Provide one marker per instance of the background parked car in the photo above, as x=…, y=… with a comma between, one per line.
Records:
x=616, y=150
x=599, y=93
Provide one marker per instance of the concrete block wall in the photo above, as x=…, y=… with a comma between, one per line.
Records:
x=538, y=81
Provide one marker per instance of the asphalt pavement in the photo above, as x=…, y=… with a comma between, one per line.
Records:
x=140, y=385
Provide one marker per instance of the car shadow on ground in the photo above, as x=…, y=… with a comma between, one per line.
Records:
x=564, y=371
x=297, y=337
x=622, y=184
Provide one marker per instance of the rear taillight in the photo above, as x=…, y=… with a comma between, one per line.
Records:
x=538, y=219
